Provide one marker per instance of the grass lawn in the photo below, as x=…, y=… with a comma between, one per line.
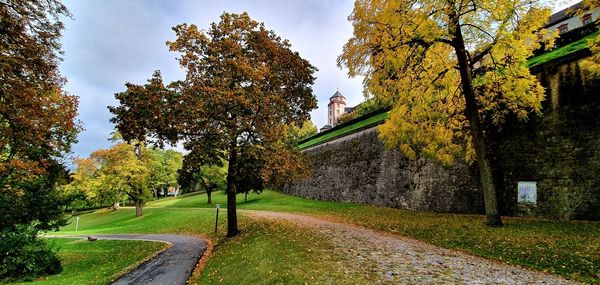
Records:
x=264, y=253
x=267, y=253
x=98, y=262
x=571, y=249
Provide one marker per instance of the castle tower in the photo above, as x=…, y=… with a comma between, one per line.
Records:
x=336, y=108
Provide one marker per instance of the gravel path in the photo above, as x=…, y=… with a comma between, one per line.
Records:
x=172, y=266
x=399, y=260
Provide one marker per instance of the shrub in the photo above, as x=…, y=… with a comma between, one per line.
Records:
x=23, y=256
x=367, y=107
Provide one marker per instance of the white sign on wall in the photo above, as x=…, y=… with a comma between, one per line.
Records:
x=527, y=192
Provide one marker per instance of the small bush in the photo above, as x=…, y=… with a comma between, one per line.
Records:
x=24, y=256
x=367, y=107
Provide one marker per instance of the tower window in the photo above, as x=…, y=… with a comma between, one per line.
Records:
x=563, y=28
x=586, y=19
x=337, y=112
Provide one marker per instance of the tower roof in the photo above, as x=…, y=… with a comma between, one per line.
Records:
x=337, y=94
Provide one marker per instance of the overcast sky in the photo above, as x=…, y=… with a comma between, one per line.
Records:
x=111, y=42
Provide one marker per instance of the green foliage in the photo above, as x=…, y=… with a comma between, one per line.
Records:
x=212, y=177
x=164, y=166
x=367, y=107
x=307, y=129
x=123, y=170
x=344, y=130
x=37, y=129
x=24, y=255
x=35, y=202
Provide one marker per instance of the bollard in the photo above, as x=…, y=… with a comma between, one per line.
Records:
x=217, y=218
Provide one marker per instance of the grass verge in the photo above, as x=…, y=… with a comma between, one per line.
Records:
x=561, y=51
x=98, y=262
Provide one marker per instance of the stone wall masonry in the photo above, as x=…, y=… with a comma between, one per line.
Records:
x=360, y=170
x=560, y=150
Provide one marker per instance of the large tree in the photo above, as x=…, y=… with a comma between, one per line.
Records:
x=242, y=83
x=37, y=128
x=592, y=64
x=125, y=169
x=450, y=70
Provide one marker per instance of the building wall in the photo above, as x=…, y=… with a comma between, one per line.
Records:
x=559, y=150
x=335, y=110
x=575, y=22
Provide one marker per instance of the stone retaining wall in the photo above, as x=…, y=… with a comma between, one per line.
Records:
x=560, y=150
x=360, y=170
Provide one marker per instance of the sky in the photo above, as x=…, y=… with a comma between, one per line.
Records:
x=111, y=42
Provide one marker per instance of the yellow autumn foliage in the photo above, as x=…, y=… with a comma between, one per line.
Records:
x=406, y=50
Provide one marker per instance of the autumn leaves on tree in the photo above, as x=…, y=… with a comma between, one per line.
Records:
x=243, y=86
x=122, y=171
x=451, y=70
x=37, y=129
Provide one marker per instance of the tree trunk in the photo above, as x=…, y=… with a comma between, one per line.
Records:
x=138, y=208
x=208, y=193
x=472, y=114
x=232, y=226
x=115, y=206
x=246, y=197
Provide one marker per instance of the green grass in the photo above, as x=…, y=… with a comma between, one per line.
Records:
x=344, y=130
x=562, y=51
x=98, y=262
x=570, y=249
x=161, y=220
x=268, y=200
x=278, y=253
x=264, y=253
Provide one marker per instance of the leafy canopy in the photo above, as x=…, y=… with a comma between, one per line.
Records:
x=592, y=64
x=37, y=129
x=243, y=84
x=110, y=175
x=37, y=117
x=407, y=50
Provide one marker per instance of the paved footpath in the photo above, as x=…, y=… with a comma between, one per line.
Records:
x=172, y=266
x=399, y=260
